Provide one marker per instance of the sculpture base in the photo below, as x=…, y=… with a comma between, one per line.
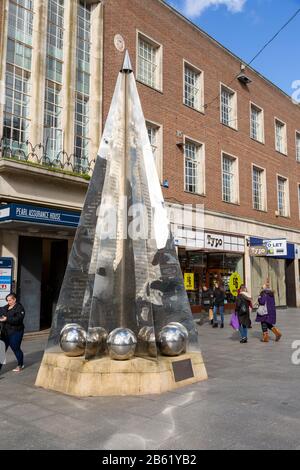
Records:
x=105, y=377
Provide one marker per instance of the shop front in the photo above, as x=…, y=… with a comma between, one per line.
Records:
x=37, y=240
x=218, y=260
x=275, y=260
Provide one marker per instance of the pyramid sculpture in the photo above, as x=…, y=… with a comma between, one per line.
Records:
x=123, y=270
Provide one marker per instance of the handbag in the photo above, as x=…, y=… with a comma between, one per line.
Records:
x=210, y=314
x=262, y=310
x=2, y=352
x=234, y=321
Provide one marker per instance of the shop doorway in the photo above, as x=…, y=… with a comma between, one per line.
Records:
x=290, y=280
x=42, y=264
x=55, y=257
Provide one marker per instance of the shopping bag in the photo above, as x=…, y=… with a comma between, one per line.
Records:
x=2, y=352
x=262, y=310
x=210, y=314
x=234, y=321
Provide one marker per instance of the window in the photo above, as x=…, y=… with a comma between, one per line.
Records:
x=194, y=167
x=193, y=87
x=230, y=188
x=257, y=123
x=259, y=188
x=19, y=54
x=52, y=120
x=20, y=21
x=82, y=95
x=149, y=62
x=228, y=107
x=155, y=137
x=16, y=122
x=298, y=146
x=81, y=131
x=283, y=196
x=280, y=137
x=55, y=28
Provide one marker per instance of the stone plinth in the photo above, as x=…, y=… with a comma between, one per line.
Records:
x=106, y=377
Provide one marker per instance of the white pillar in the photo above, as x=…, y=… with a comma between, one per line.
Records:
x=3, y=47
x=69, y=74
x=95, y=104
x=38, y=72
x=248, y=268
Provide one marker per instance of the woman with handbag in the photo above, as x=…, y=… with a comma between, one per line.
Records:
x=242, y=308
x=12, y=317
x=207, y=302
x=266, y=313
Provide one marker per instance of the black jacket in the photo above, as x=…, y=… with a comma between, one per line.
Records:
x=242, y=309
x=207, y=298
x=15, y=317
x=219, y=297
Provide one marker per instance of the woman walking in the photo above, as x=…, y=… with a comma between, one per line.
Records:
x=266, y=314
x=12, y=316
x=242, y=308
x=219, y=298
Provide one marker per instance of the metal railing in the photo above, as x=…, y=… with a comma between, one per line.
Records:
x=37, y=155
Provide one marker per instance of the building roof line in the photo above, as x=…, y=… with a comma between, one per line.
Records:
x=232, y=54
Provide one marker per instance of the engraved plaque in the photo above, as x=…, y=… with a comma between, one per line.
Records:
x=182, y=370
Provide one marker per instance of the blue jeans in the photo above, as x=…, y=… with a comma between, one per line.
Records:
x=14, y=341
x=221, y=311
x=243, y=331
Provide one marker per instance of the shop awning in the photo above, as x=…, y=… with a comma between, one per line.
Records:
x=290, y=248
x=45, y=216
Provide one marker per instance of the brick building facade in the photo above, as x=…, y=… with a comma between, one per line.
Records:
x=273, y=211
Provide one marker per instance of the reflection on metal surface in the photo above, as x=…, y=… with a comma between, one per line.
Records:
x=183, y=329
x=123, y=269
x=96, y=341
x=172, y=341
x=73, y=340
x=121, y=344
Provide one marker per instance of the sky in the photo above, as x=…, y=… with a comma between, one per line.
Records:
x=244, y=26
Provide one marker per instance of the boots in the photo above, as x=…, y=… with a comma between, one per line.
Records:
x=265, y=337
x=277, y=333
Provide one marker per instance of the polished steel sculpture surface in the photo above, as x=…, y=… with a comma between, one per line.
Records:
x=96, y=341
x=172, y=341
x=123, y=270
x=73, y=340
x=121, y=344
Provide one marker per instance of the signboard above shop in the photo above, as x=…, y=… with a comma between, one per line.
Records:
x=276, y=247
x=38, y=215
x=258, y=251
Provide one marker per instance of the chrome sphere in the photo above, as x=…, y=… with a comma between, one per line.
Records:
x=181, y=327
x=73, y=340
x=121, y=344
x=96, y=341
x=172, y=341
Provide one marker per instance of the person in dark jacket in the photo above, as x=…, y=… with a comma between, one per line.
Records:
x=12, y=316
x=268, y=321
x=242, y=308
x=207, y=299
x=219, y=298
